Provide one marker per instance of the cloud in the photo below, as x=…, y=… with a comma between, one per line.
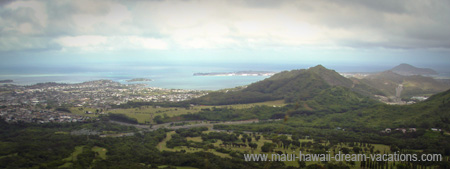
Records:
x=201, y=24
x=25, y=43
x=5, y=2
x=110, y=43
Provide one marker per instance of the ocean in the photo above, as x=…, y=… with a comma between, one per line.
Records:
x=167, y=76
x=171, y=77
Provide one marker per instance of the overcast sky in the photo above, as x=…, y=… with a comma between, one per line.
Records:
x=381, y=32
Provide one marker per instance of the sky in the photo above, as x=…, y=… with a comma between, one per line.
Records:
x=106, y=34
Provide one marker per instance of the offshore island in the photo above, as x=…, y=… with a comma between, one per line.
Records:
x=139, y=80
x=6, y=81
x=239, y=73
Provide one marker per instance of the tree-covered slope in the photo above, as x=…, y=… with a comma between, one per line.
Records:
x=292, y=86
x=434, y=112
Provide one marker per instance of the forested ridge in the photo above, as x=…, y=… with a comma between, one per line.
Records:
x=292, y=86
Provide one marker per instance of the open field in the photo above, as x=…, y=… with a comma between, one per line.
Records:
x=146, y=114
x=162, y=147
x=73, y=156
x=101, y=151
x=276, y=103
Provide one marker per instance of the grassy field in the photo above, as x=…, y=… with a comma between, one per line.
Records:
x=276, y=103
x=162, y=147
x=78, y=150
x=62, y=132
x=178, y=167
x=147, y=113
x=73, y=156
x=101, y=152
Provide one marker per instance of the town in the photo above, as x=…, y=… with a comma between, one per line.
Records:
x=43, y=102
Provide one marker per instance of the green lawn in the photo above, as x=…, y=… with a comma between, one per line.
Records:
x=73, y=156
x=101, y=151
x=162, y=146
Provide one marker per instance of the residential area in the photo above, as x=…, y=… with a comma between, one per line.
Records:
x=39, y=102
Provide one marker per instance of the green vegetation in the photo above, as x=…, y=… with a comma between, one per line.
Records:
x=146, y=114
x=319, y=112
x=82, y=157
x=291, y=86
x=328, y=101
x=238, y=143
x=230, y=114
x=100, y=151
x=122, y=118
x=73, y=156
x=388, y=81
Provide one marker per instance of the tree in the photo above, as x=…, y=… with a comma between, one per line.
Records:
x=394, y=148
x=301, y=164
x=356, y=149
x=315, y=166
x=267, y=147
x=257, y=138
x=345, y=150
x=158, y=119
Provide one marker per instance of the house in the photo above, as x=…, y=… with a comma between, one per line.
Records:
x=412, y=130
x=401, y=129
x=435, y=129
x=387, y=130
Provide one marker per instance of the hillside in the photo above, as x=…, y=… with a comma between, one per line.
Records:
x=388, y=81
x=292, y=86
x=433, y=112
x=336, y=108
x=406, y=70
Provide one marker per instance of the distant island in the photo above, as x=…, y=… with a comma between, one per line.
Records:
x=6, y=81
x=139, y=80
x=239, y=73
x=407, y=70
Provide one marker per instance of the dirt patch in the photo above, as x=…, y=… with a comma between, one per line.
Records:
x=307, y=107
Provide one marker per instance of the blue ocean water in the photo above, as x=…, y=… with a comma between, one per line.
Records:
x=170, y=82
x=163, y=76
x=171, y=77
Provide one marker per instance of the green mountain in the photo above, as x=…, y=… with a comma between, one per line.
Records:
x=292, y=86
x=434, y=112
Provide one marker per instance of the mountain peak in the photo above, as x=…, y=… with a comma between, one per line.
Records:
x=407, y=70
x=291, y=86
x=318, y=67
